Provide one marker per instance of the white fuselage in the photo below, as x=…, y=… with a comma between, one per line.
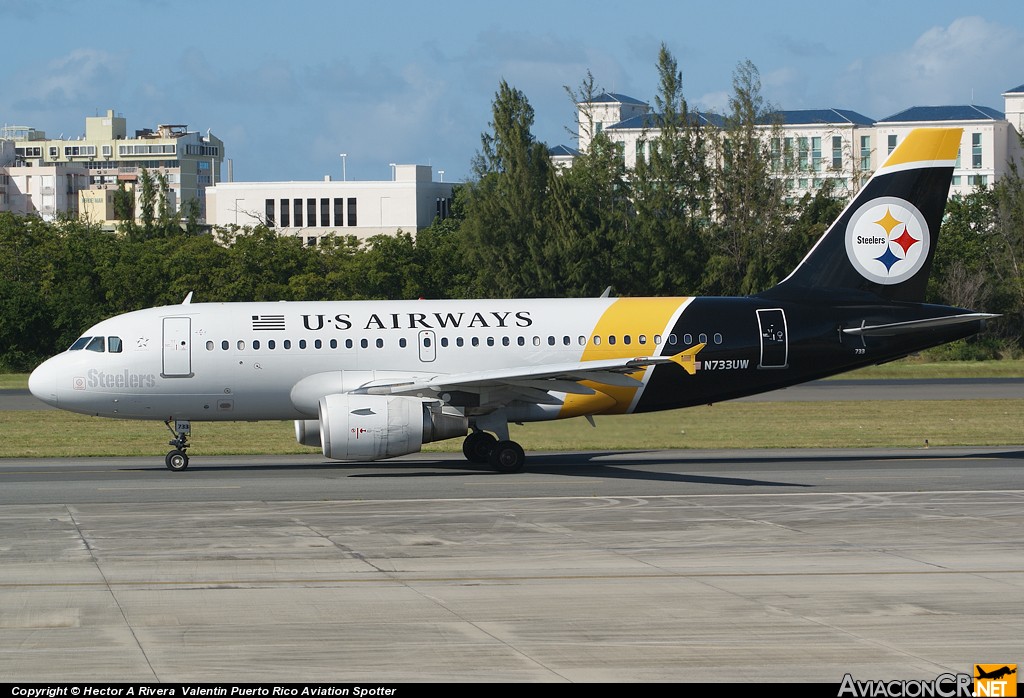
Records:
x=241, y=361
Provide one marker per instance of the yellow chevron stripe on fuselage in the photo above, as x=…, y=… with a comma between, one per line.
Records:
x=626, y=317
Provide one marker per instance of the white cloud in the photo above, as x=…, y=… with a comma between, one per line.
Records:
x=944, y=65
x=78, y=81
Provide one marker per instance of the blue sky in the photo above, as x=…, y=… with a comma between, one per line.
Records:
x=290, y=85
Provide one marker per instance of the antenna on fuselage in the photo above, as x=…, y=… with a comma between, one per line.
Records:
x=188, y=299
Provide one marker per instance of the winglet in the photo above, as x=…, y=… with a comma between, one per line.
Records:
x=688, y=359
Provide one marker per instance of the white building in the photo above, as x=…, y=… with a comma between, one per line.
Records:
x=46, y=191
x=1014, y=106
x=815, y=145
x=311, y=210
x=988, y=145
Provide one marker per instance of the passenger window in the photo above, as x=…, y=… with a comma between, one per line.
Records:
x=687, y=339
x=364, y=343
x=209, y=345
x=302, y=344
x=597, y=340
x=334, y=344
x=551, y=341
x=627, y=339
x=224, y=345
x=114, y=345
x=505, y=341
x=642, y=339
x=566, y=340
x=536, y=341
x=271, y=344
x=672, y=339
x=79, y=344
x=380, y=343
x=256, y=344
x=459, y=341
x=348, y=343
x=657, y=339
x=476, y=341
x=401, y=342
x=241, y=345
x=287, y=344
x=444, y=341
x=583, y=341
x=611, y=339
x=521, y=341
x=96, y=344
x=702, y=338
x=490, y=341
x=718, y=338
x=318, y=344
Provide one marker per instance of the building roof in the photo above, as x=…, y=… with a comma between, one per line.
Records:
x=1018, y=88
x=563, y=150
x=613, y=98
x=964, y=112
x=796, y=117
x=653, y=121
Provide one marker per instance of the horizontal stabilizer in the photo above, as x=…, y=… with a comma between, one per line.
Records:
x=688, y=359
x=896, y=328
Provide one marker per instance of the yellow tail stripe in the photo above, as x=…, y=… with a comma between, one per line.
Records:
x=927, y=145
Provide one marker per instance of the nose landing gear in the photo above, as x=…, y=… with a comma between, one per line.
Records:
x=177, y=459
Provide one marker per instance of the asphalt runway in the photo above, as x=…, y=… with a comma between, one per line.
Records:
x=621, y=567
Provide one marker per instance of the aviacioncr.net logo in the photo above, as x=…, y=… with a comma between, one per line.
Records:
x=887, y=240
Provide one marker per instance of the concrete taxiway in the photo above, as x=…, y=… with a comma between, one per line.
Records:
x=644, y=566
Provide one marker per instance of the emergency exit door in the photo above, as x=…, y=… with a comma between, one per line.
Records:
x=774, y=338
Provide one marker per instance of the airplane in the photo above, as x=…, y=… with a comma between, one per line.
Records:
x=370, y=380
x=995, y=674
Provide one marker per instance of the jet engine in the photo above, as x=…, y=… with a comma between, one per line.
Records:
x=371, y=427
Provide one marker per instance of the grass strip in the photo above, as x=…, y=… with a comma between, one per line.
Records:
x=52, y=433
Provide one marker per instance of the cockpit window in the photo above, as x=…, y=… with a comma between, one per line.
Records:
x=96, y=344
x=114, y=345
x=79, y=344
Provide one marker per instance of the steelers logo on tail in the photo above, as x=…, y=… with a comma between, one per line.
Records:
x=887, y=240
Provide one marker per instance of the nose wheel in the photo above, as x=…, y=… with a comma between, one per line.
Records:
x=177, y=458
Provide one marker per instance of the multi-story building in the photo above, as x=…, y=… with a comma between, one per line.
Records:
x=988, y=146
x=190, y=161
x=312, y=210
x=47, y=191
x=812, y=145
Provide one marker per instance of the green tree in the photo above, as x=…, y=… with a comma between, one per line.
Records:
x=26, y=333
x=505, y=214
x=671, y=190
x=591, y=221
x=124, y=209
x=749, y=201
x=147, y=203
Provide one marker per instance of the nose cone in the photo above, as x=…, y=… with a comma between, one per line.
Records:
x=43, y=383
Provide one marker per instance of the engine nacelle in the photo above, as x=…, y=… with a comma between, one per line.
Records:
x=372, y=427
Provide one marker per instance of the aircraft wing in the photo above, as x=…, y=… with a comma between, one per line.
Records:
x=536, y=382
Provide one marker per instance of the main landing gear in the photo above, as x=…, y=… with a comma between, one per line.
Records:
x=505, y=456
x=177, y=459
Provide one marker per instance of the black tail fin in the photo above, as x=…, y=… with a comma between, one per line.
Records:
x=884, y=241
